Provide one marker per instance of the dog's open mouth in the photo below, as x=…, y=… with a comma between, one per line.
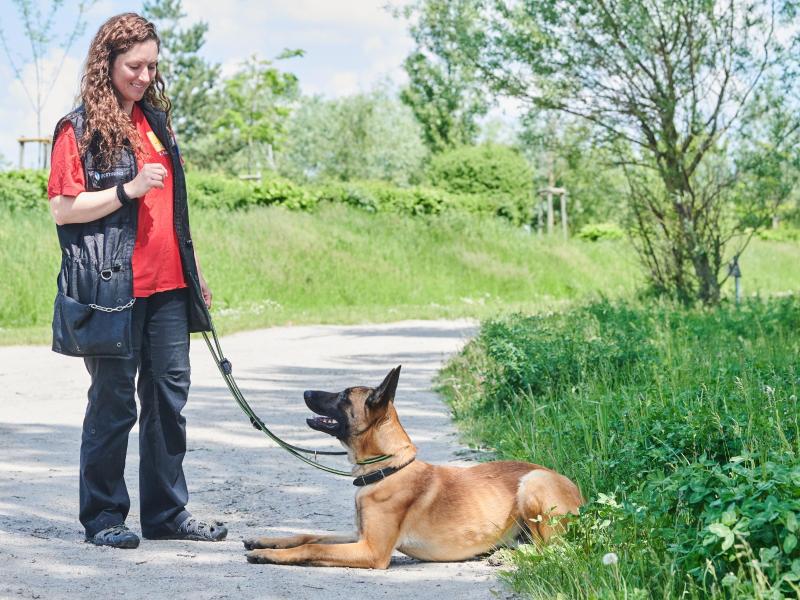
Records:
x=323, y=423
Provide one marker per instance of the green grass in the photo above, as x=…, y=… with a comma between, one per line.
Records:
x=271, y=266
x=682, y=427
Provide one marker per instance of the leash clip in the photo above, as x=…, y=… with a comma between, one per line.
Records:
x=226, y=366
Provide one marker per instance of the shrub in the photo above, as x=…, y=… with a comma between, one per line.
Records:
x=378, y=196
x=487, y=169
x=23, y=190
x=600, y=231
x=212, y=190
x=781, y=234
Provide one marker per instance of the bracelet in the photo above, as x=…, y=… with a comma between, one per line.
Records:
x=123, y=198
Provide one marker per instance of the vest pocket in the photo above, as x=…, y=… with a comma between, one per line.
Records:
x=80, y=330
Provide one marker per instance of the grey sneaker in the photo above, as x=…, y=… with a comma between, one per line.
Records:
x=118, y=536
x=195, y=529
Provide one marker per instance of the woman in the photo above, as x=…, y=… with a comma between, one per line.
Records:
x=130, y=288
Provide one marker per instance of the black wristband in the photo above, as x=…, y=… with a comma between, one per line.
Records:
x=123, y=198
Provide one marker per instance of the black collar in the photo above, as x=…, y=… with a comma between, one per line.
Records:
x=374, y=476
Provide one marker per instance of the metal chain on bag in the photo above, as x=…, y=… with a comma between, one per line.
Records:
x=115, y=309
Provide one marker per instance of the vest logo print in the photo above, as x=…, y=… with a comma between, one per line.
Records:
x=98, y=177
x=157, y=145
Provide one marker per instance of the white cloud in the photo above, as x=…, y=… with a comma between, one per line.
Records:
x=349, y=14
x=351, y=45
x=344, y=83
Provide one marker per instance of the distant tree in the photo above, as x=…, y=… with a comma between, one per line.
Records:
x=251, y=109
x=364, y=136
x=443, y=92
x=190, y=79
x=666, y=80
x=38, y=28
x=565, y=151
x=767, y=156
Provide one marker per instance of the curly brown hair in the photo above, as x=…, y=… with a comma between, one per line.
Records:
x=106, y=122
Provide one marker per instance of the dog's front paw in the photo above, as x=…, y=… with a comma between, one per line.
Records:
x=259, y=542
x=250, y=544
x=259, y=557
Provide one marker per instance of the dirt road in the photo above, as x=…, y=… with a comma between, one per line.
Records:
x=234, y=472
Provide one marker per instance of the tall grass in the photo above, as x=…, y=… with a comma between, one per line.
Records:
x=680, y=426
x=338, y=264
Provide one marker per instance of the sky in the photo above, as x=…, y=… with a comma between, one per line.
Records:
x=350, y=46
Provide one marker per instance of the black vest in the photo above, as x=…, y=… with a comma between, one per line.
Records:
x=96, y=257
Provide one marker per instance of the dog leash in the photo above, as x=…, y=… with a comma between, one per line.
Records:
x=226, y=370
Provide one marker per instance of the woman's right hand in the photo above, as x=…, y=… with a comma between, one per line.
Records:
x=151, y=176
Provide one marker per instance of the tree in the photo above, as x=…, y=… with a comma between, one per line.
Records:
x=667, y=81
x=443, y=91
x=38, y=28
x=364, y=136
x=767, y=156
x=250, y=113
x=190, y=79
x=564, y=152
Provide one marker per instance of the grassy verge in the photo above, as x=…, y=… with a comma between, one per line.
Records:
x=681, y=427
x=338, y=264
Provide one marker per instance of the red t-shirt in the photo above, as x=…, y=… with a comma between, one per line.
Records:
x=156, y=260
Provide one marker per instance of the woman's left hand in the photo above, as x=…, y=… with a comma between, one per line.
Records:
x=204, y=289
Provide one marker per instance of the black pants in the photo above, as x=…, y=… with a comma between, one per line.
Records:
x=161, y=356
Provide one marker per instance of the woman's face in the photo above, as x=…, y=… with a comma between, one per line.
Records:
x=133, y=72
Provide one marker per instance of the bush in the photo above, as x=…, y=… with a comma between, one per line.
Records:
x=23, y=190
x=487, y=169
x=378, y=196
x=27, y=189
x=781, y=234
x=600, y=231
x=212, y=190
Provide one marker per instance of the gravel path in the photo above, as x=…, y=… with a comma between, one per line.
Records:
x=234, y=472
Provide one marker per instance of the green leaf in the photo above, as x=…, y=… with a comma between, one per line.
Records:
x=724, y=532
x=729, y=517
x=791, y=521
x=790, y=543
x=720, y=530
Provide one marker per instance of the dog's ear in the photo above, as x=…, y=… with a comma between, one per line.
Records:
x=384, y=393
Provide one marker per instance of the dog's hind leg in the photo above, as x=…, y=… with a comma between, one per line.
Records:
x=542, y=497
x=298, y=540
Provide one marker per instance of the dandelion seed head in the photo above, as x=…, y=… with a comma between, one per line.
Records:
x=610, y=559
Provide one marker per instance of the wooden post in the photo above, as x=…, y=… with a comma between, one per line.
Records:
x=539, y=215
x=43, y=155
x=551, y=182
x=562, y=195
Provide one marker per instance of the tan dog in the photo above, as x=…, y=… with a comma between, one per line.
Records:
x=428, y=512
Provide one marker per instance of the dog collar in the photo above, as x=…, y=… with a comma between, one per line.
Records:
x=374, y=476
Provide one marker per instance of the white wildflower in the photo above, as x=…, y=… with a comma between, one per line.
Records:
x=610, y=559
